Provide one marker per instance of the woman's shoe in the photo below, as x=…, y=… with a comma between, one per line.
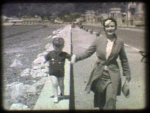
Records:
x=55, y=99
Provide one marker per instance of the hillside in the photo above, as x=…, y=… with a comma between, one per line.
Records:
x=41, y=9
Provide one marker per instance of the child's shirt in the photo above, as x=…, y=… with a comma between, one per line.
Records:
x=57, y=62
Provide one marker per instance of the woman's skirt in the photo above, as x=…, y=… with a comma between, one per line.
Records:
x=99, y=89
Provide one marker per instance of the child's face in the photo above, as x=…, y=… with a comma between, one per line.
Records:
x=58, y=49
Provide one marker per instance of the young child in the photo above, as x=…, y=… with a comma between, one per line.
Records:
x=56, y=60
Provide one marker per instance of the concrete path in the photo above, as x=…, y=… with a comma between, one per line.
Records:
x=45, y=100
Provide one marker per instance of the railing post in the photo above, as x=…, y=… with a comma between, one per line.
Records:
x=72, y=97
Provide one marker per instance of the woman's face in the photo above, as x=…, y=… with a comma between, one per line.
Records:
x=110, y=27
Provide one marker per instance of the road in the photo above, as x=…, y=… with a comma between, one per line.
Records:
x=133, y=37
x=83, y=101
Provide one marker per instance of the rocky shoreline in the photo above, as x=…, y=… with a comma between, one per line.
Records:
x=21, y=86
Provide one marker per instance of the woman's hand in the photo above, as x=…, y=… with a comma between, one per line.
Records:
x=73, y=59
x=87, y=89
x=128, y=78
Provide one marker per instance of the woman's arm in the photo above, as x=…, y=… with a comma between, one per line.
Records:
x=124, y=63
x=87, y=53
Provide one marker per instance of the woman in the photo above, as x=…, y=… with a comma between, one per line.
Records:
x=105, y=79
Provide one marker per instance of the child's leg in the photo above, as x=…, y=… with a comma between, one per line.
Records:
x=61, y=84
x=54, y=81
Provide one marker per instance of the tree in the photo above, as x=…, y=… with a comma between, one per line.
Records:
x=41, y=9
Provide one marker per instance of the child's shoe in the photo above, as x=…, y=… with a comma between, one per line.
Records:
x=55, y=99
x=61, y=95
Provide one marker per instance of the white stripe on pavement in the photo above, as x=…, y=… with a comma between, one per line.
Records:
x=132, y=29
x=132, y=47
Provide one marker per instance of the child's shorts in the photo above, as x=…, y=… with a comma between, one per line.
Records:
x=56, y=69
x=58, y=72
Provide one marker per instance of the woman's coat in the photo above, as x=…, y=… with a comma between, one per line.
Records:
x=99, y=46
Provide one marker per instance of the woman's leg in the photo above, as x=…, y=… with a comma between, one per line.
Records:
x=110, y=97
x=61, y=84
x=54, y=81
x=99, y=94
x=99, y=100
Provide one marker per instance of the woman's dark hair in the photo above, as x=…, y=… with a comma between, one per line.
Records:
x=112, y=19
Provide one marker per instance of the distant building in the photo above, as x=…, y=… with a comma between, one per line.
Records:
x=93, y=17
x=90, y=16
x=81, y=19
x=114, y=12
x=104, y=15
x=101, y=17
x=58, y=21
x=136, y=9
x=136, y=13
x=140, y=9
x=25, y=20
x=4, y=18
x=6, y=21
x=46, y=20
x=15, y=20
x=29, y=20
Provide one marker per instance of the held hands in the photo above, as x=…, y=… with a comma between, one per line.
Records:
x=128, y=78
x=73, y=59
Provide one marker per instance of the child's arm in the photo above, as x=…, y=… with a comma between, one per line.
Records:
x=46, y=58
x=68, y=56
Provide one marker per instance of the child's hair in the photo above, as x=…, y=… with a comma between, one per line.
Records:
x=58, y=41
